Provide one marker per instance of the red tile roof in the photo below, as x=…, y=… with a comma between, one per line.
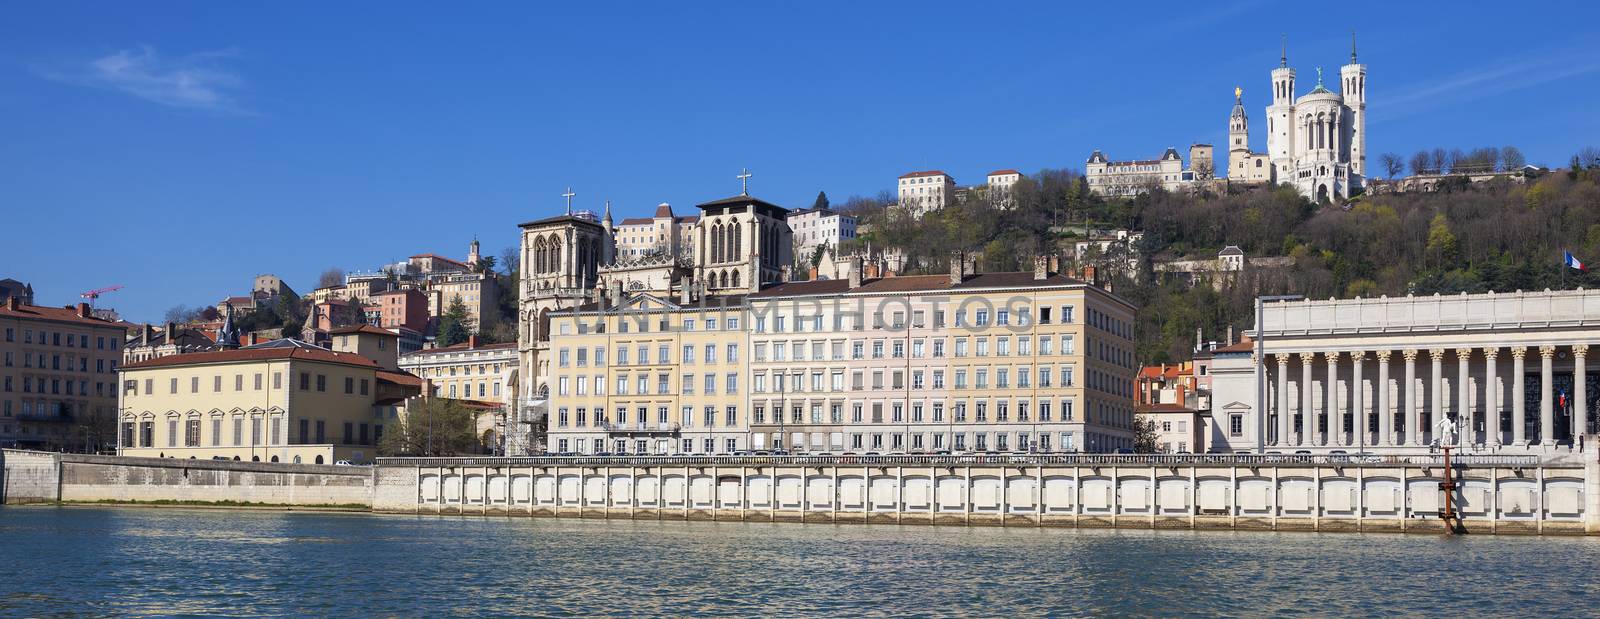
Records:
x=439, y=257
x=57, y=314
x=1245, y=346
x=405, y=379
x=255, y=354
x=362, y=329
x=663, y=210
x=927, y=173
x=999, y=172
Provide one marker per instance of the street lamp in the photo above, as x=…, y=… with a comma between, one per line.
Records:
x=1261, y=366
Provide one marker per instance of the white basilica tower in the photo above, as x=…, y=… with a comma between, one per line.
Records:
x=1317, y=141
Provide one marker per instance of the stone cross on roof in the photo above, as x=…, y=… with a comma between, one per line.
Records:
x=568, y=195
x=744, y=181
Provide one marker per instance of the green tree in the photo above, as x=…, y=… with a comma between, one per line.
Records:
x=1144, y=434
x=432, y=426
x=453, y=324
x=485, y=264
x=821, y=202
x=1441, y=248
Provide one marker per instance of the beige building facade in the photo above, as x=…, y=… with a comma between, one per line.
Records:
x=1004, y=362
x=58, y=379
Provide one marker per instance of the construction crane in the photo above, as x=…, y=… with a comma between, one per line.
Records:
x=95, y=294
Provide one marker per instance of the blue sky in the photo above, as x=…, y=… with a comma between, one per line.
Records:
x=181, y=148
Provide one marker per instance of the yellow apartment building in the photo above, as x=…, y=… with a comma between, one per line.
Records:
x=284, y=401
x=648, y=375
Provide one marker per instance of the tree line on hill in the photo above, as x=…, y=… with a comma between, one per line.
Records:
x=1464, y=237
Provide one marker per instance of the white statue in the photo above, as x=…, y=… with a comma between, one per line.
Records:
x=1445, y=430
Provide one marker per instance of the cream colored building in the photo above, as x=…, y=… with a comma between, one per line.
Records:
x=1131, y=178
x=921, y=192
x=284, y=401
x=1508, y=372
x=466, y=371
x=477, y=291
x=960, y=362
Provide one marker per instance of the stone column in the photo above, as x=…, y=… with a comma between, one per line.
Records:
x=1330, y=404
x=1580, y=392
x=1463, y=396
x=1358, y=410
x=1283, y=401
x=1308, y=413
x=1519, y=397
x=1491, y=399
x=1408, y=399
x=1436, y=391
x=1380, y=392
x=1547, y=413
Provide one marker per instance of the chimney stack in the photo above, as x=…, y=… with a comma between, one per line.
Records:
x=13, y=303
x=812, y=274
x=785, y=273
x=254, y=338
x=958, y=267
x=83, y=310
x=144, y=335
x=171, y=328
x=855, y=272
x=1041, y=268
x=685, y=291
x=472, y=341
x=616, y=293
x=1230, y=334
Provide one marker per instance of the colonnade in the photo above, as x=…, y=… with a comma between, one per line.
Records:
x=1348, y=400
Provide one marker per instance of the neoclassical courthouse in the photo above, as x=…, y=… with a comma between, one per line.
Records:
x=1396, y=374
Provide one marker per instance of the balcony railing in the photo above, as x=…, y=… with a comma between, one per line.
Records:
x=639, y=428
x=1011, y=459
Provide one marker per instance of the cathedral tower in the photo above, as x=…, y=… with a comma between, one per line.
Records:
x=1238, y=124
x=1353, y=86
x=1280, y=127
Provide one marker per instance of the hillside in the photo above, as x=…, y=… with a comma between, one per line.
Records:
x=1498, y=235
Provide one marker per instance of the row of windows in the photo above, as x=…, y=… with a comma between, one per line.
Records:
x=919, y=348
x=351, y=385
x=54, y=362
x=484, y=369
x=55, y=386
x=961, y=411
x=565, y=357
x=142, y=434
x=980, y=317
x=1023, y=376
x=72, y=340
x=1034, y=442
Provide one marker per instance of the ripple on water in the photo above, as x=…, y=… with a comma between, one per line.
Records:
x=59, y=561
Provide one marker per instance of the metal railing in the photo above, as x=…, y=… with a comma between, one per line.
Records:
x=997, y=459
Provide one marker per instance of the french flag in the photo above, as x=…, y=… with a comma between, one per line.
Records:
x=1573, y=262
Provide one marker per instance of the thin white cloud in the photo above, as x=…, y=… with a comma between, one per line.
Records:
x=1485, y=81
x=195, y=81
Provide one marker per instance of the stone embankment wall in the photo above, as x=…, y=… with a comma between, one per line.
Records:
x=42, y=477
x=1249, y=492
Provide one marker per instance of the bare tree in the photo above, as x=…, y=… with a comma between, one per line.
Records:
x=1588, y=157
x=333, y=276
x=1457, y=155
x=1440, y=161
x=1512, y=158
x=1421, y=163
x=1391, y=164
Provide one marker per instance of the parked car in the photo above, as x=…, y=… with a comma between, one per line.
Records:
x=343, y=463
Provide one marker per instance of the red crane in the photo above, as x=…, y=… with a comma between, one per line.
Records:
x=95, y=294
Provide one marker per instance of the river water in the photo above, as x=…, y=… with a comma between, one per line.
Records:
x=77, y=561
